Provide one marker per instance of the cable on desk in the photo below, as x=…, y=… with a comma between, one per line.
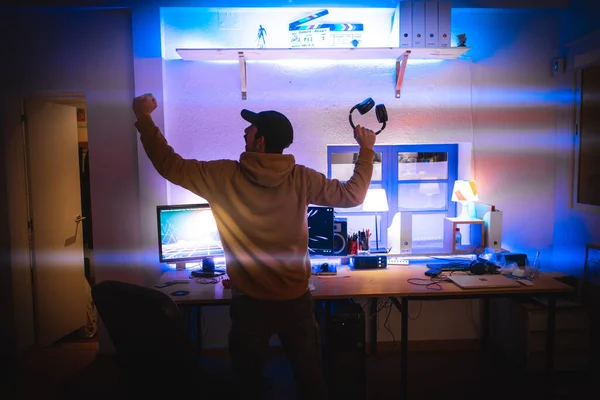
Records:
x=432, y=283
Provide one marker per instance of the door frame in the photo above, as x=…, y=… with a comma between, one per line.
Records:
x=18, y=181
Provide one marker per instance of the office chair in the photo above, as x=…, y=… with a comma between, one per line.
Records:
x=149, y=335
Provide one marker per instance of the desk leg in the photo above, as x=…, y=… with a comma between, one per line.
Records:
x=403, y=308
x=485, y=323
x=404, y=350
x=551, y=322
x=373, y=325
x=198, y=330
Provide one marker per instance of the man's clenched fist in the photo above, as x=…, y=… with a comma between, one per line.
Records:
x=144, y=105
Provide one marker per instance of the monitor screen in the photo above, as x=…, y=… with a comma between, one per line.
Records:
x=320, y=230
x=187, y=232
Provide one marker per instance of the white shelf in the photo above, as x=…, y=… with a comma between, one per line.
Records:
x=364, y=53
x=401, y=56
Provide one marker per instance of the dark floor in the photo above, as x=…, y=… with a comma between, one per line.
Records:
x=72, y=369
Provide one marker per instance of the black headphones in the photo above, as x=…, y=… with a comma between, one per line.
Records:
x=482, y=267
x=365, y=107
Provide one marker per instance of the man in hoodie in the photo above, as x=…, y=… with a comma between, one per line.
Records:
x=260, y=204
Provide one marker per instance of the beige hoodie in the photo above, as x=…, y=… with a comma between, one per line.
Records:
x=260, y=205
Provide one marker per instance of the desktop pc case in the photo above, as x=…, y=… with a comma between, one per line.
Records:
x=342, y=324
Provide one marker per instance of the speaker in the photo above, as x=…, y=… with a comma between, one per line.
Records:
x=400, y=233
x=492, y=221
x=340, y=237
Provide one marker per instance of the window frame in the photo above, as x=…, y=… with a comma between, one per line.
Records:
x=574, y=198
x=390, y=181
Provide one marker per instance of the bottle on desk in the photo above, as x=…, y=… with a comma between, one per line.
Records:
x=458, y=237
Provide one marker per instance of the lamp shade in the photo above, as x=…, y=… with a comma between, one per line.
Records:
x=376, y=201
x=464, y=191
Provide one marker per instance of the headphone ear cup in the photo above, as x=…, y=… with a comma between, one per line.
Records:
x=381, y=113
x=365, y=106
x=482, y=267
x=477, y=268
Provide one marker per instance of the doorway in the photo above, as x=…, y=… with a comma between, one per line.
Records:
x=57, y=186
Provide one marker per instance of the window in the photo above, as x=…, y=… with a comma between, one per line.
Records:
x=586, y=193
x=417, y=179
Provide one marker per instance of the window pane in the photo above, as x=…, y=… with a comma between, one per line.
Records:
x=342, y=166
x=358, y=208
x=428, y=230
x=422, y=166
x=422, y=196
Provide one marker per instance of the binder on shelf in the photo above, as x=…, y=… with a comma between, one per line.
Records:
x=418, y=24
x=405, y=24
x=444, y=27
x=431, y=24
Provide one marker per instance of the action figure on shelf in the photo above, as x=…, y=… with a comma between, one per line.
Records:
x=462, y=40
x=260, y=39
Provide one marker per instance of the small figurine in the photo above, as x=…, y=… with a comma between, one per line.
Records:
x=462, y=40
x=260, y=39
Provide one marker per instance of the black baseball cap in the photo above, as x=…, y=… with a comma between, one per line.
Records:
x=274, y=126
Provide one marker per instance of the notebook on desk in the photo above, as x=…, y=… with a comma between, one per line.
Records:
x=483, y=281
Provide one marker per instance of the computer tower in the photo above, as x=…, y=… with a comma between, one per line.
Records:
x=342, y=323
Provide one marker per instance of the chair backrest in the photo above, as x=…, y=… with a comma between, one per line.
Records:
x=145, y=325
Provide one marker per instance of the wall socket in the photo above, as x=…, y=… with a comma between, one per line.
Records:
x=229, y=20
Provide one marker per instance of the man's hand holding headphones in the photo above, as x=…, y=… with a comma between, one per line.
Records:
x=364, y=137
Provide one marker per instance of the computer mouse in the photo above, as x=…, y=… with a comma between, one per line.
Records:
x=324, y=267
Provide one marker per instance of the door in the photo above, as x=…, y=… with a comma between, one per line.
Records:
x=60, y=298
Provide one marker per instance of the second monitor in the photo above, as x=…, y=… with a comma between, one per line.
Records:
x=320, y=230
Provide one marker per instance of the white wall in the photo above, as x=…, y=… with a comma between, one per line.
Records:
x=574, y=228
x=514, y=119
x=511, y=124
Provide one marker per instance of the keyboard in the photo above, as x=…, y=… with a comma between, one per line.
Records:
x=449, y=266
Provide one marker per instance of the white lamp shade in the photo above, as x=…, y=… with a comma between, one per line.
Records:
x=464, y=191
x=376, y=201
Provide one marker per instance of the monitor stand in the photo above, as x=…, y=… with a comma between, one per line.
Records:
x=208, y=269
x=180, y=266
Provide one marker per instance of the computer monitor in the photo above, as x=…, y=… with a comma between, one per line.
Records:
x=188, y=233
x=320, y=230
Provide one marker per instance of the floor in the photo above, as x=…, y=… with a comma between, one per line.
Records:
x=73, y=364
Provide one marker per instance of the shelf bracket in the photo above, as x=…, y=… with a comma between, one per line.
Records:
x=400, y=68
x=243, y=79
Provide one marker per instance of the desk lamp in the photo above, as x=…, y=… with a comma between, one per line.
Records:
x=376, y=201
x=464, y=192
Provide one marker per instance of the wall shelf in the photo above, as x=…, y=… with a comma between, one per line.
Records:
x=364, y=53
x=401, y=56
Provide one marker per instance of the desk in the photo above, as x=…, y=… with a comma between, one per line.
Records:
x=391, y=282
